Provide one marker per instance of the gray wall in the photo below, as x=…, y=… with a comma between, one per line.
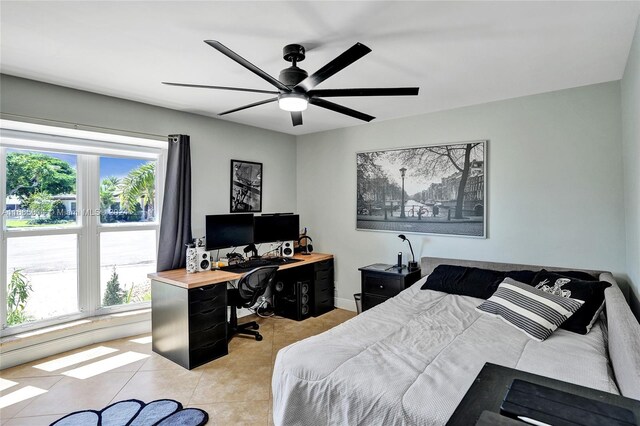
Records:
x=630, y=91
x=554, y=174
x=554, y=171
x=213, y=142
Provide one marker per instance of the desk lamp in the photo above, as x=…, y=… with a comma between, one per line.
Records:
x=412, y=266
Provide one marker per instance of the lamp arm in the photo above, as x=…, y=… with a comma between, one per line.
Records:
x=411, y=248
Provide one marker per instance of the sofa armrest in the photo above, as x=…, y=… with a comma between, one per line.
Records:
x=624, y=339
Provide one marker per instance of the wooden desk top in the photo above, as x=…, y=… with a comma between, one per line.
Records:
x=180, y=277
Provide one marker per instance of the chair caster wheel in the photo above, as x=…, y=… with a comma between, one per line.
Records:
x=257, y=326
x=258, y=337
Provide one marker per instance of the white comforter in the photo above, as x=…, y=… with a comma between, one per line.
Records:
x=410, y=360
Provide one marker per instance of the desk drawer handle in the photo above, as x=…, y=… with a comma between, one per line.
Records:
x=213, y=327
x=208, y=288
x=210, y=345
x=204, y=301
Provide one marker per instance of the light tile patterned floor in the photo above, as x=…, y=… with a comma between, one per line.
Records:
x=235, y=389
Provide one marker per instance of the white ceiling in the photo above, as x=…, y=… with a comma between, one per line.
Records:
x=458, y=53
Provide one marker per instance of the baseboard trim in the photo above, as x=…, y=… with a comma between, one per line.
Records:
x=103, y=331
x=347, y=304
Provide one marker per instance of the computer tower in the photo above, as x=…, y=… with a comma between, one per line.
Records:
x=292, y=299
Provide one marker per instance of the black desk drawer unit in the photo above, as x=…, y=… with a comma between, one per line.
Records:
x=381, y=282
x=189, y=326
x=207, y=324
x=323, y=290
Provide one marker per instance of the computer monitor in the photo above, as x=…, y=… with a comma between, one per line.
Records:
x=229, y=230
x=278, y=227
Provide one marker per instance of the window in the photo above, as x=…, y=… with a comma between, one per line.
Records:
x=127, y=197
x=127, y=190
x=41, y=188
x=42, y=277
x=125, y=260
x=41, y=266
x=79, y=226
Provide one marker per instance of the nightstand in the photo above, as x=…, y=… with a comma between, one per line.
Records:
x=382, y=281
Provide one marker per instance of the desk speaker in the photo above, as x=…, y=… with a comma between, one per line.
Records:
x=203, y=260
x=287, y=249
x=292, y=299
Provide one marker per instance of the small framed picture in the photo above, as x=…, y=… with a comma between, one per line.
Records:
x=246, y=186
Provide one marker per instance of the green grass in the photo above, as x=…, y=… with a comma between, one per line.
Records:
x=24, y=223
x=17, y=223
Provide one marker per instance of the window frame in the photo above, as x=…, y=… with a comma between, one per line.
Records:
x=88, y=227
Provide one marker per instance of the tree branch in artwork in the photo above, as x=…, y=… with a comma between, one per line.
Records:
x=368, y=173
x=375, y=187
x=428, y=162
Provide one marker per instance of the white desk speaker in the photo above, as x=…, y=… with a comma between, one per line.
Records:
x=203, y=260
x=287, y=249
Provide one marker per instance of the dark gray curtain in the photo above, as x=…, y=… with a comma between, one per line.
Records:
x=175, y=225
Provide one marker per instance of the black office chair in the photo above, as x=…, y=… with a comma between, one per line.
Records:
x=251, y=286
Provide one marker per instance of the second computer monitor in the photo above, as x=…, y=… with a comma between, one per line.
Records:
x=271, y=228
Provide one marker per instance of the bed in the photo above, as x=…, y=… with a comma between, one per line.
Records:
x=410, y=360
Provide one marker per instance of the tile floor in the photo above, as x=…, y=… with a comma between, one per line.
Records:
x=234, y=390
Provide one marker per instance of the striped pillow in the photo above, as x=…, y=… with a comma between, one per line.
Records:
x=534, y=312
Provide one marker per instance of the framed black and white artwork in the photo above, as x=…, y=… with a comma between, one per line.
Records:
x=433, y=189
x=246, y=186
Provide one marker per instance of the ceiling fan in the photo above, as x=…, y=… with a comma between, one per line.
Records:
x=296, y=87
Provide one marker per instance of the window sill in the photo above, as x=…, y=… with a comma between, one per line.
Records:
x=35, y=344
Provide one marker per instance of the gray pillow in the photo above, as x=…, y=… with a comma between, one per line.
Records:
x=534, y=312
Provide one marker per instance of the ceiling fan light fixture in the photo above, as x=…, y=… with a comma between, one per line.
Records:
x=296, y=88
x=293, y=102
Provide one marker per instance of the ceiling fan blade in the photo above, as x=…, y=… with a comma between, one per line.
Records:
x=351, y=55
x=341, y=109
x=249, y=106
x=239, y=89
x=296, y=118
x=248, y=65
x=391, y=91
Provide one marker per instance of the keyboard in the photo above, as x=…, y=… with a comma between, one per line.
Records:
x=250, y=264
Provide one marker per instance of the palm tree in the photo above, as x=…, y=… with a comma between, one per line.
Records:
x=108, y=187
x=139, y=188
